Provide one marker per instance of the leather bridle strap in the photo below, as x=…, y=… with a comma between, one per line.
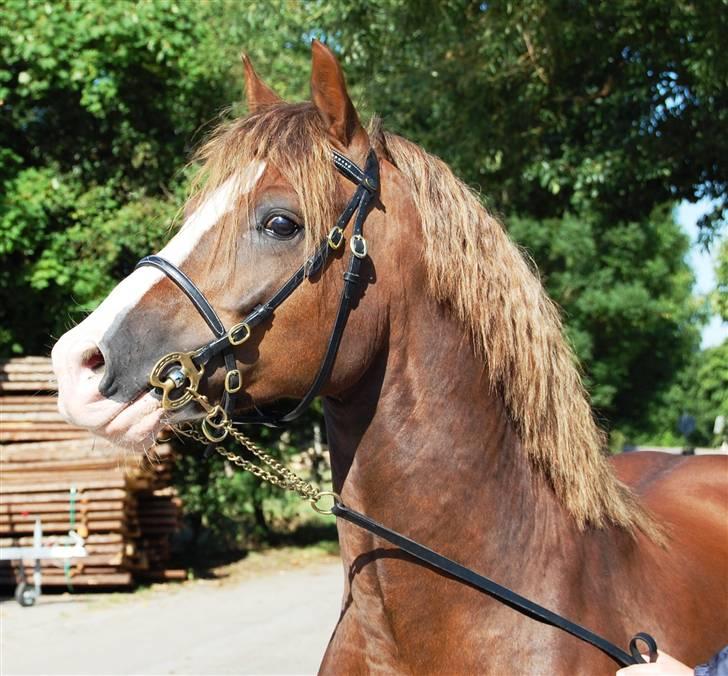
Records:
x=360, y=203
x=499, y=592
x=189, y=288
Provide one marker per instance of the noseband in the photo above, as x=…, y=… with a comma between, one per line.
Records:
x=176, y=376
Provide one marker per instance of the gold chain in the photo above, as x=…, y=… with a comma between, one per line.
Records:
x=276, y=474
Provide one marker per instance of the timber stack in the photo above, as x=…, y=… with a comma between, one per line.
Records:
x=122, y=504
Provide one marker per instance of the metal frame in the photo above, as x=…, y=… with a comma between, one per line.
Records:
x=25, y=595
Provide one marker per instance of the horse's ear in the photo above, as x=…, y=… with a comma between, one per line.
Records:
x=257, y=92
x=328, y=91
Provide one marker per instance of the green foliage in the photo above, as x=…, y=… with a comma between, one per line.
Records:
x=700, y=390
x=583, y=122
x=625, y=292
x=100, y=105
x=550, y=108
x=720, y=295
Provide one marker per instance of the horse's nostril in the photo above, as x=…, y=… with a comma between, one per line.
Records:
x=93, y=360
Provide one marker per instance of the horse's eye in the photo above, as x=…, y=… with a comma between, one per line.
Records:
x=281, y=227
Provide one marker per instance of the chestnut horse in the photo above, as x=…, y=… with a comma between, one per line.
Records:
x=455, y=412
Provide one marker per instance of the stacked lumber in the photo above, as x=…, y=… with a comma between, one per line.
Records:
x=29, y=411
x=122, y=504
x=27, y=374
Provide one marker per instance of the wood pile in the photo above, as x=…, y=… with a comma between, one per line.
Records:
x=122, y=504
x=29, y=411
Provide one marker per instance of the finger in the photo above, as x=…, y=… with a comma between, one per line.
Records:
x=636, y=670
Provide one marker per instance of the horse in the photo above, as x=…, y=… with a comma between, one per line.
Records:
x=454, y=408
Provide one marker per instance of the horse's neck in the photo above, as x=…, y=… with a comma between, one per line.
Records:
x=423, y=445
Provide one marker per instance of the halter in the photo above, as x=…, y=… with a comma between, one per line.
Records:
x=177, y=375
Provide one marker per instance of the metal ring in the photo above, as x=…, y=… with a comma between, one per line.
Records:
x=182, y=362
x=355, y=243
x=215, y=412
x=238, y=327
x=336, y=500
x=210, y=435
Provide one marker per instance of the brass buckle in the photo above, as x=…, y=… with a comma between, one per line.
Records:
x=238, y=341
x=358, y=246
x=228, y=387
x=335, y=237
x=188, y=369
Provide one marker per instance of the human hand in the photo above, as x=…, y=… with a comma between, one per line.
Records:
x=664, y=666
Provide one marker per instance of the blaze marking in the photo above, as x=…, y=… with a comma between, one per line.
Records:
x=125, y=296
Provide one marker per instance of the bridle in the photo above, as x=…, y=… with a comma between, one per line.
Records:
x=177, y=376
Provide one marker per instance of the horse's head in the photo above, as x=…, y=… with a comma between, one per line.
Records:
x=269, y=194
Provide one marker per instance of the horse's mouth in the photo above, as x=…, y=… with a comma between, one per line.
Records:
x=136, y=424
x=132, y=424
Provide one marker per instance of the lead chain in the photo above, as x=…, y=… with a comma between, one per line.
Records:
x=278, y=475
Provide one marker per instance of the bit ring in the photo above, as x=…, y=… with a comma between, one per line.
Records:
x=174, y=378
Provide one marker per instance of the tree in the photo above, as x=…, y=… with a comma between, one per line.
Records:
x=720, y=295
x=552, y=107
x=625, y=293
x=700, y=390
x=101, y=106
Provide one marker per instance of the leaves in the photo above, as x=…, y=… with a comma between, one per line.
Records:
x=613, y=108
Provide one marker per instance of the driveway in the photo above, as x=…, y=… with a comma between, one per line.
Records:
x=274, y=617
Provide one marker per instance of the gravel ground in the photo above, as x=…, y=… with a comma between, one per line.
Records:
x=269, y=614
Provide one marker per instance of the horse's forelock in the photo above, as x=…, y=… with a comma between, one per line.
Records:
x=288, y=137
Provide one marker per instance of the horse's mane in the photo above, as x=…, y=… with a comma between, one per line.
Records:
x=476, y=270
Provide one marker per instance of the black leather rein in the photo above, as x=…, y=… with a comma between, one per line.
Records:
x=178, y=368
x=499, y=592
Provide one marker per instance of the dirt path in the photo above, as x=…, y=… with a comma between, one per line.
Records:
x=273, y=615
